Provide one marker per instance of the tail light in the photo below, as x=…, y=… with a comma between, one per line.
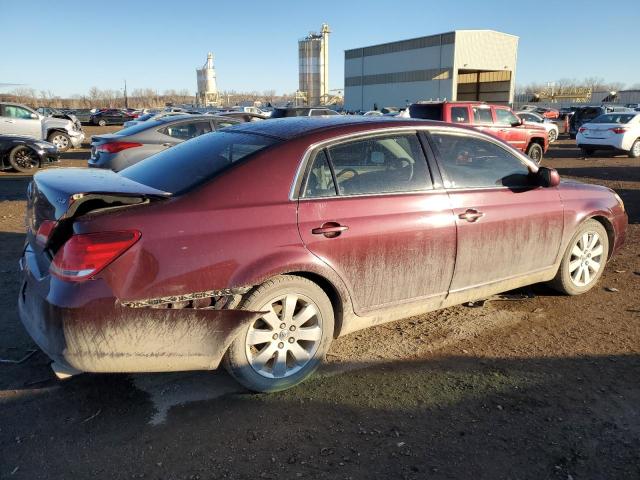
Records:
x=115, y=147
x=84, y=255
x=581, y=129
x=44, y=232
x=619, y=130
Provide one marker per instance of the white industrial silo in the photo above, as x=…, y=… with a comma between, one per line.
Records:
x=313, y=57
x=207, y=87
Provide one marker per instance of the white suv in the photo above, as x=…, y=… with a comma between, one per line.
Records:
x=619, y=131
x=16, y=119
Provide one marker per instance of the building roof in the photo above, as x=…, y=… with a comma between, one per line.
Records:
x=413, y=43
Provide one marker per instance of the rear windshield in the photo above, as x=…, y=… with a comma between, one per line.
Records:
x=191, y=163
x=139, y=127
x=289, y=112
x=614, y=118
x=426, y=111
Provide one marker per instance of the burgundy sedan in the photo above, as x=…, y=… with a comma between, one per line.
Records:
x=257, y=245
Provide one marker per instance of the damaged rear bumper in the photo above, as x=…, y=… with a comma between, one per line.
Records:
x=102, y=336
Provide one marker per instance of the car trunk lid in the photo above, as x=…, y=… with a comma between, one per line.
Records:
x=56, y=197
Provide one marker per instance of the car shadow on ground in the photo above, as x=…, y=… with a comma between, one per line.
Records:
x=443, y=417
x=14, y=186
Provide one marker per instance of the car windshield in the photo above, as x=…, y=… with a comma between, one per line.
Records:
x=614, y=118
x=192, y=163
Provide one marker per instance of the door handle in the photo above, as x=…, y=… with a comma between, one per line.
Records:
x=9, y=121
x=330, y=229
x=167, y=144
x=471, y=215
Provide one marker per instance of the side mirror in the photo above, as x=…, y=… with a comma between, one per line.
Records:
x=516, y=123
x=34, y=116
x=548, y=177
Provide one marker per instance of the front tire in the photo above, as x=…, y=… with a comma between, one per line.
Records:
x=23, y=159
x=285, y=346
x=62, y=141
x=553, y=136
x=102, y=122
x=584, y=260
x=535, y=153
x=635, y=149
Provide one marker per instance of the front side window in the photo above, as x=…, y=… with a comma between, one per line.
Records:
x=472, y=162
x=482, y=115
x=14, y=111
x=385, y=164
x=505, y=117
x=185, y=131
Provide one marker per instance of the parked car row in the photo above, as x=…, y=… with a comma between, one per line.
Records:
x=17, y=119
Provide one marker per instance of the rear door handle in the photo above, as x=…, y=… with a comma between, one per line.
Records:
x=330, y=229
x=9, y=121
x=167, y=144
x=471, y=215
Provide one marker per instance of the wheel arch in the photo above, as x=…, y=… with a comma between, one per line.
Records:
x=608, y=226
x=332, y=292
x=303, y=264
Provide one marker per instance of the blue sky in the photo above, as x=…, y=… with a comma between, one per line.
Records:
x=69, y=46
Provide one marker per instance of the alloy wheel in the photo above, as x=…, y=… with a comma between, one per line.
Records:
x=285, y=339
x=635, y=149
x=60, y=141
x=26, y=159
x=586, y=259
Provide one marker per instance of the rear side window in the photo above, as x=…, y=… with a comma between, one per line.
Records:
x=482, y=115
x=472, y=162
x=320, y=178
x=191, y=163
x=460, y=114
x=385, y=164
x=187, y=130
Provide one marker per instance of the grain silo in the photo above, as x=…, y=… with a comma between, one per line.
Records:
x=313, y=56
x=207, y=88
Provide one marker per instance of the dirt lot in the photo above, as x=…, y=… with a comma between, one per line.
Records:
x=540, y=388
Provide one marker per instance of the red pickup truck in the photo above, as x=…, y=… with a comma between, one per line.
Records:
x=495, y=119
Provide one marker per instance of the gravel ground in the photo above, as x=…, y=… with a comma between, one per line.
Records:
x=537, y=386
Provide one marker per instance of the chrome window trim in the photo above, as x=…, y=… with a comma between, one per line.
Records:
x=294, y=191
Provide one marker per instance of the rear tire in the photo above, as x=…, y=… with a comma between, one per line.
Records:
x=270, y=355
x=588, y=249
x=102, y=122
x=635, y=149
x=535, y=153
x=553, y=136
x=23, y=159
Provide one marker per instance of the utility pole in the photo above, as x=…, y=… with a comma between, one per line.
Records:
x=126, y=99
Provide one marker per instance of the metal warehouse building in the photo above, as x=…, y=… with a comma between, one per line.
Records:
x=460, y=65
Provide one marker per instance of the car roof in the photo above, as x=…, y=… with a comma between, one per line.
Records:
x=189, y=116
x=292, y=127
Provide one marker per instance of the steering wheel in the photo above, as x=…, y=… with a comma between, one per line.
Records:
x=345, y=171
x=400, y=164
